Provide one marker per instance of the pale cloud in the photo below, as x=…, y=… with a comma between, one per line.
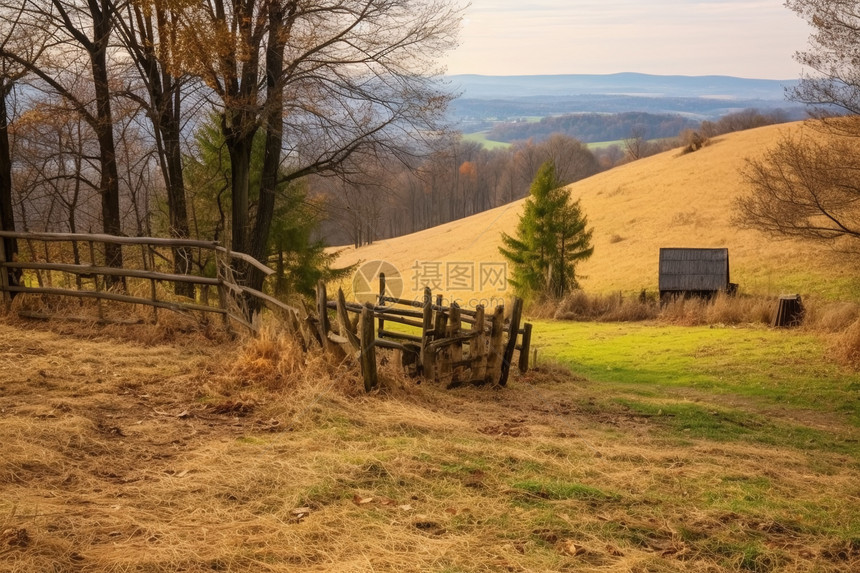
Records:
x=748, y=38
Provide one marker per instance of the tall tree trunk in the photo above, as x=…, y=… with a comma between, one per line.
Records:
x=239, y=147
x=177, y=205
x=274, y=139
x=7, y=220
x=151, y=40
x=109, y=183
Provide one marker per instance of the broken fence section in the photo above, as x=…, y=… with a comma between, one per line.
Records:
x=445, y=344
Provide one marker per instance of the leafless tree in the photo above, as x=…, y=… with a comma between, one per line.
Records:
x=79, y=34
x=833, y=55
x=327, y=80
x=572, y=159
x=806, y=186
x=12, y=38
x=635, y=146
x=148, y=32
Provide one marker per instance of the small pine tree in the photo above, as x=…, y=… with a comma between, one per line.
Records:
x=551, y=240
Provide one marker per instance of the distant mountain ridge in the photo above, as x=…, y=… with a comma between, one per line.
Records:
x=484, y=99
x=627, y=83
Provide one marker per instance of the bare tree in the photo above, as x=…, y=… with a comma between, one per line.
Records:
x=14, y=38
x=147, y=30
x=78, y=28
x=57, y=151
x=807, y=186
x=327, y=80
x=572, y=159
x=833, y=56
x=635, y=146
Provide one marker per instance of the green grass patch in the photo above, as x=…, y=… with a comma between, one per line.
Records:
x=481, y=137
x=559, y=490
x=776, y=367
x=708, y=422
x=743, y=556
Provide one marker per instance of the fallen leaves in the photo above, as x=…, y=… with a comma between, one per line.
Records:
x=572, y=548
x=513, y=429
x=13, y=537
x=362, y=500
x=237, y=408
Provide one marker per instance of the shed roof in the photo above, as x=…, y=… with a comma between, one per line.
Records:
x=683, y=269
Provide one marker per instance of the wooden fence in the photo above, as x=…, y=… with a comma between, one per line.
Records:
x=451, y=345
x=448, y=344
x=82, y=257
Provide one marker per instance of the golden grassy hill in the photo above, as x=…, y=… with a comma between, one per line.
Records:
x=667, y=200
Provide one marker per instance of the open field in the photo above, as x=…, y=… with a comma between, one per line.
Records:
x=481, y=137
x=667, y=200
x=707, y=450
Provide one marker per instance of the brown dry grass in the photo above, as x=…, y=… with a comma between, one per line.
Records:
x=618, y=307
x=667, y=200
x=238, y=457
x=847, y=345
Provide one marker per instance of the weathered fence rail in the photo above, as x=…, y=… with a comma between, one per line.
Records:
x=440, y=343
x=88, y=265
x=452, y=345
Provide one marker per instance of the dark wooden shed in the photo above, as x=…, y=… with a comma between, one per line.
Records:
x=694, y=272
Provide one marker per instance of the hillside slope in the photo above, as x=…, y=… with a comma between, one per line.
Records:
x=668, y=200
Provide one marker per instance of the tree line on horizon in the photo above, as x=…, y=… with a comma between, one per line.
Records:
x=463, y=178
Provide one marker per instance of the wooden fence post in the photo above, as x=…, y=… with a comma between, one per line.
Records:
x=455, y=350
x=5, y=295
x=513, y=333
x=478, y=346
x=154, y=291
x=441, y=319
x=95, y=279
x=381, y=301
x=322, y=310
x=368, y=349
x=344, y=324
x=524, y=347
x=427, y=335
x=221, y=271
x=494, y=357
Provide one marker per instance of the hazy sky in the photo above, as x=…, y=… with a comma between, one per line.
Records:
x=745, y=38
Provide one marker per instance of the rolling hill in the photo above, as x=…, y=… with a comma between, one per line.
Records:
x=667, y=200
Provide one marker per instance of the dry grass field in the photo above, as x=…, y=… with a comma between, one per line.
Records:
x=668, y=200
x=695, y=444
x=202, y=456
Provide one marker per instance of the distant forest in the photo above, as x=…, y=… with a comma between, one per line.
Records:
x=594, y=127
x=394, y=197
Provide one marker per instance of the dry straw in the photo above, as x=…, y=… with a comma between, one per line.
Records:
x=249, y=457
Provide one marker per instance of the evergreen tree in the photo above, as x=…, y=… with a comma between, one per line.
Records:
x=551, y=240
x=300, y=260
